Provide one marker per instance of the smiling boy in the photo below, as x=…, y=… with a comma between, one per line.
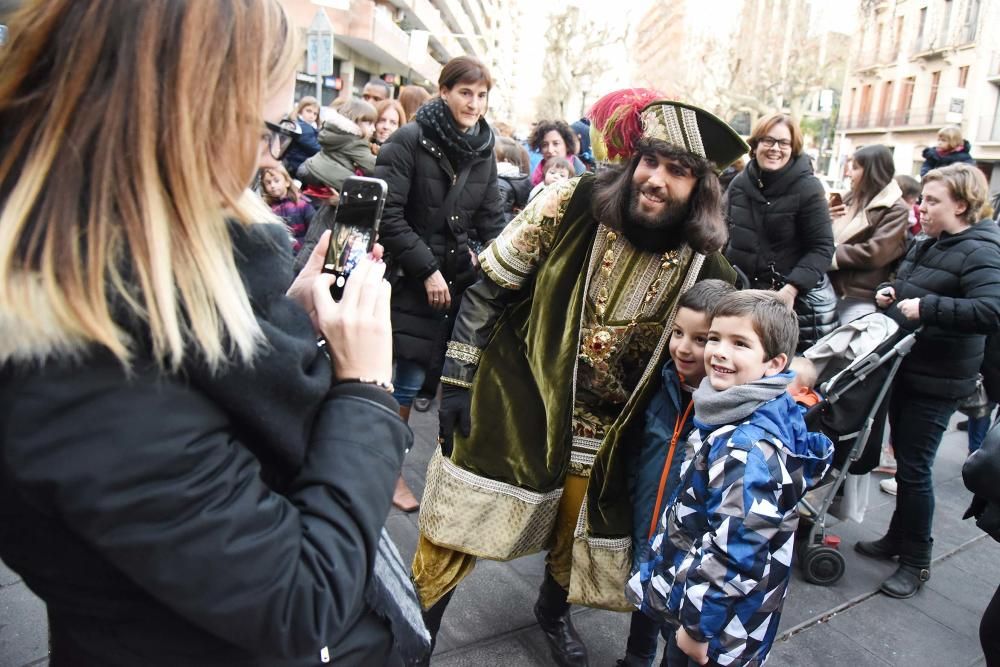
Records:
x=723, y=551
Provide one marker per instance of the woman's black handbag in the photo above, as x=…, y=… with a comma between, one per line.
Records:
x=980, y=473
x=977, y=404
x=817, y=313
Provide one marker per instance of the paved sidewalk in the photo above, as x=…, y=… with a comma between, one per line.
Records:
x=490, y=622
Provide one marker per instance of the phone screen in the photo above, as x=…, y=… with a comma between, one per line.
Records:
x=354, y=228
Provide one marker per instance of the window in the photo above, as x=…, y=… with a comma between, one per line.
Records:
x=963, y=76
x=897, y=38
x=921, y=26
x=906, y=100
x=878, y=43
x=946, y=23
x=971, y=22
x=884, y=105
x=864, y=113
x=932, y=100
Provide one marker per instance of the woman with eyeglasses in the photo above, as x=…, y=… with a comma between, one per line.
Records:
x=187, y=477
x=779, y=226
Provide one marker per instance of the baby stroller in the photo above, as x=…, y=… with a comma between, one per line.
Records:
x=855, y=364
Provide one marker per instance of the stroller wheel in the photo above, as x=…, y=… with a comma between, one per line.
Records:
x=823, y=566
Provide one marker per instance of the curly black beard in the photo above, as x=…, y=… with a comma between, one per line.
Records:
x=659, y=233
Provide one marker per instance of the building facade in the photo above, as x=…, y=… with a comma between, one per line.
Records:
x=917, y=66
x=400, y=41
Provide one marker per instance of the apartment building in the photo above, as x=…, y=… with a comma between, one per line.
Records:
x=400, y=41
x=916, y=66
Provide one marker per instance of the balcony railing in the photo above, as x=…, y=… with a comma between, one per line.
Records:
x=894, y=119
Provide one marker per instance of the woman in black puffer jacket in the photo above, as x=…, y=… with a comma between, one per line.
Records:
x=948, y=284
x=779, y=225
x=442, y=180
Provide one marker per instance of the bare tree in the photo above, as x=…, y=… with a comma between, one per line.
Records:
x=576, y=57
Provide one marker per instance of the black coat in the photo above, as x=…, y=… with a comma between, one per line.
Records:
x=420, y=238
x=137, y=508
x=514, y=191
x=932, y=160
x=786, y=225
x=957, y=279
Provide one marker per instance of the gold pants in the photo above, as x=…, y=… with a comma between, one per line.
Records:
x=437, y=569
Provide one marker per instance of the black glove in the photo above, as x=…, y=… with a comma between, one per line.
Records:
x=456, y=409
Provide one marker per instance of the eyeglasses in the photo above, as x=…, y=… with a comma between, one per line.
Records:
x=279, y=137
x=771, y=142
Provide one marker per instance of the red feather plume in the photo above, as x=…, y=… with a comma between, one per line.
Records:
x=616, y=117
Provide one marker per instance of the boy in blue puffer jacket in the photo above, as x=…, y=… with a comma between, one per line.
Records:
x=720, y=562
x=655, y=468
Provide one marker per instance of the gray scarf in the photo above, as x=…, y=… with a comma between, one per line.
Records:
x=733, y=405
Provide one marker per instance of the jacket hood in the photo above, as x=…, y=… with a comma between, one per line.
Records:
x=338, y=129
x=782, y=418
x=984, y=231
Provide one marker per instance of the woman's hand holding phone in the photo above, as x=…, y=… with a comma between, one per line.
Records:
x=836, y=205
x=357, y=328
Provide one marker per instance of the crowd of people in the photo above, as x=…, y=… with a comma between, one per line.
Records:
x=201, y=445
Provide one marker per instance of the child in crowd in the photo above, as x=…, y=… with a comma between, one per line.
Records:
x=287, y=203
x=722, y=555
x=514, y=184
x=655, y=469
x=951, y=148
x=556, y=169
x=802, y=388
x=910, y=187
x=346, y=149
x=306, y=143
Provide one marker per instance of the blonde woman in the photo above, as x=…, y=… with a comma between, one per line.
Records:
x=180, y=460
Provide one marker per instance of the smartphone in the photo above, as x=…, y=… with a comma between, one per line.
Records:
x=355, y=226
x=836, y=199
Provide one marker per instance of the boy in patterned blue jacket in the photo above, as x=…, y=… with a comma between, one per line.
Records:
x=655, y=468
x=720, y=562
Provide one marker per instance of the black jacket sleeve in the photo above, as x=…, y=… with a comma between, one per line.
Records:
x=816, y=237
x=482, y=305
x=148, y=472
x=394, y=165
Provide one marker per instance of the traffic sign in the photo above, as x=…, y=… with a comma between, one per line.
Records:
x=319, y=46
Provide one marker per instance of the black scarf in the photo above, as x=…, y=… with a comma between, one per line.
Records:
x=461, y=147
x=274, y=403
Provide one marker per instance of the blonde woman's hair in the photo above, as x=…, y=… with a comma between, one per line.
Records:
x=965, y=184
x=951, y=135
x=112, y=206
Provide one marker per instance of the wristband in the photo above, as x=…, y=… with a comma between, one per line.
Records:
x=387, y=386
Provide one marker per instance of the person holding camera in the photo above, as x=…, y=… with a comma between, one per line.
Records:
x=869, y=232
x=179, y=457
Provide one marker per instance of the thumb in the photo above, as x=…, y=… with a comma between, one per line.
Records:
x=322, y=299
x=318, y=256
